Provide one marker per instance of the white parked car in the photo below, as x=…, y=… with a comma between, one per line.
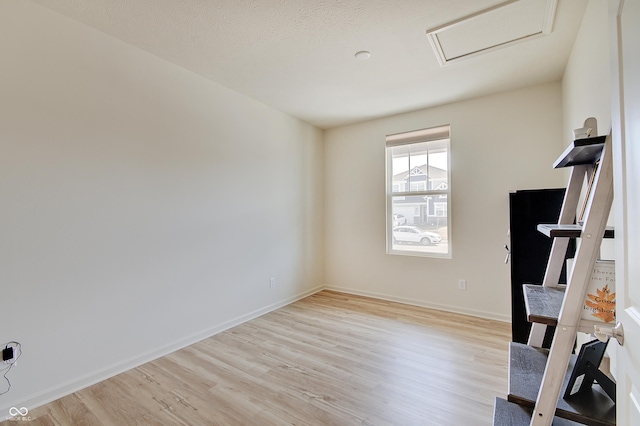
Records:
x=413, y=234
x=399, y=219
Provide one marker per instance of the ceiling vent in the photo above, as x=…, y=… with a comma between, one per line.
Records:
x=499, y=26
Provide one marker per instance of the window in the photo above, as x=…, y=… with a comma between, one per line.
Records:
x=418, y=193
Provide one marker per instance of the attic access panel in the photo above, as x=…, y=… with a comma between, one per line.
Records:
x=499, y=26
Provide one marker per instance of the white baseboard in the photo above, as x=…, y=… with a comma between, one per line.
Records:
x=54, y=393
x=422, y=303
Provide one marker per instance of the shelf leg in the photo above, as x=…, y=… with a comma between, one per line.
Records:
x=536, y=335
x=559, y=246
x=554, y=374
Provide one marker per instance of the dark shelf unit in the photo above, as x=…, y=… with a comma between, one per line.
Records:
x=529, y=250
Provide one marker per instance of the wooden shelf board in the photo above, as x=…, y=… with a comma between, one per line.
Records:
x=543, y=304
x=554, y=230
x=581, y=151
x=526, y=368
x=506, y=413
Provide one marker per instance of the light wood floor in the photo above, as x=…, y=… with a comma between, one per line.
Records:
x=329, y=359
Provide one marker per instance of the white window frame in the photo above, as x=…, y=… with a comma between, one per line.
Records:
x=438, y=134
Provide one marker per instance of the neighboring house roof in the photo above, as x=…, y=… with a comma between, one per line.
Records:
x=433, y=173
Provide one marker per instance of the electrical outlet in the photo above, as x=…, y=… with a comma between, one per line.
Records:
x=272, y=282
x=462, y=284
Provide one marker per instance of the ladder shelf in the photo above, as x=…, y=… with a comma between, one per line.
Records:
x=538, y=377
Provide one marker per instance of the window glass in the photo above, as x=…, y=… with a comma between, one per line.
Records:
x=418, y=210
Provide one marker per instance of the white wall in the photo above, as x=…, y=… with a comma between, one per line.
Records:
x=142, y=207
x=499, y=143
x=586, y=85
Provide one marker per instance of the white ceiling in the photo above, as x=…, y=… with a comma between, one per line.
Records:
x=298, y=55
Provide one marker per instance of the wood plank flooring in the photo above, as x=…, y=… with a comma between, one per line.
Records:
x=329, y=359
